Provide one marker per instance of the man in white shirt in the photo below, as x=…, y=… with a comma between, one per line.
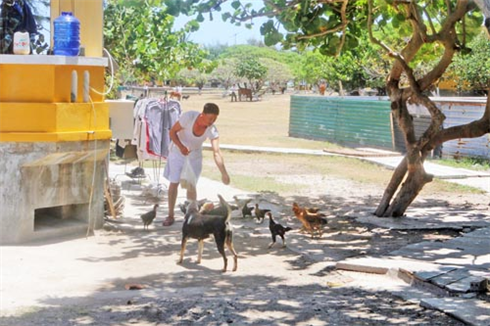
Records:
x=187, y=135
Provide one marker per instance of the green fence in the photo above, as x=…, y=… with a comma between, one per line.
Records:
x=349, y=121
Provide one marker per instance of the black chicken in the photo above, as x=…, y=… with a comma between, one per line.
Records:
x=260, y=213
x=277, y=230
x=148, y=217
x=242, y=206
x=247, y=211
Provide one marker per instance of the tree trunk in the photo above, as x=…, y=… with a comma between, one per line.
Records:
x=415, y=181
x=396, y=180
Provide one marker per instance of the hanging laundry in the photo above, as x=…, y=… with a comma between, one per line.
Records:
x=153, y=120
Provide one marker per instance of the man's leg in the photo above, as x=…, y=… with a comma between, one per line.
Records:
x=173, y=190
x=191, y=193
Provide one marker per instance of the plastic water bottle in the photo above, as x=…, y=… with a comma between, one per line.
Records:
x=66, y=35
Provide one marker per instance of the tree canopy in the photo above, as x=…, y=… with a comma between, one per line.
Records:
x=141, y=38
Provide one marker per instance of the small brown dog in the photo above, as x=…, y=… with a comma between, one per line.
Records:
x=199, y=226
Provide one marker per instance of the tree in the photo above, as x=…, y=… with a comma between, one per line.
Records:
x=438, y=28
x=280, y=63
x=253, y=71
x=471, y=70
x=150, y=50
x=225, y=72
x=191, y=77
x=278, y=73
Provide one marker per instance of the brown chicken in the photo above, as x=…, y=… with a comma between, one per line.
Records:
x=312, y=221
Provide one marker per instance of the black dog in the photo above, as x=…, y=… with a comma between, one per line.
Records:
x=199, y=226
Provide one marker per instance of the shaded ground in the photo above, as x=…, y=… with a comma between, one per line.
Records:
x=85, y=281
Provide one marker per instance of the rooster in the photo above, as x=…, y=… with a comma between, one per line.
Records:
x=277, y=230
x=260, y=213
x=312, y=220
x=148, y=217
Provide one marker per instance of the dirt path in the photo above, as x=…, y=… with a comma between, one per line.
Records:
x=85, y=281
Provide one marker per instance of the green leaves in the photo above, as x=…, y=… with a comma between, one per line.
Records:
x=144, y=34
x=471, y=71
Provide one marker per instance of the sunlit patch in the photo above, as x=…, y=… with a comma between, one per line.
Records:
x=85, y=320
x=256, y=316
x=289, y=303
x=442, y=251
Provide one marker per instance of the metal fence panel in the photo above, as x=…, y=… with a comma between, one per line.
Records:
x=353, y=121
x=361, y=121
x=459, y=112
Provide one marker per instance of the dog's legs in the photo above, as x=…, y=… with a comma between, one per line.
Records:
x=229, y=244
x=182, y=249
x=199, y=250
x=220, y=243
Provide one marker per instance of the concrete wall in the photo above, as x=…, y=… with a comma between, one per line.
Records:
x=49, y=174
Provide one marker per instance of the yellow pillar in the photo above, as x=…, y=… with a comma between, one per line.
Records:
x=90, y=13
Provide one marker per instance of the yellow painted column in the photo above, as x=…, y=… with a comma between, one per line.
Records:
x=91, y=16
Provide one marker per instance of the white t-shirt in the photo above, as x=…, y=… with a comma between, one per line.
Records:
x=186, y=135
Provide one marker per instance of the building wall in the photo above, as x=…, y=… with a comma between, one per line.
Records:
x=37, y=175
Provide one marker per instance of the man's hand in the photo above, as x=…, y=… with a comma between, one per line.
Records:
x=184, y=150
x=225, y=178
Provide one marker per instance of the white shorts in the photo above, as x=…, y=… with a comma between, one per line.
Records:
x=175, y=163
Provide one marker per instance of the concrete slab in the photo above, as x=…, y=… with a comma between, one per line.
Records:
x=428, y=275
x=439, y=171
x=434, y=218
x=383, y=265
x=453, y=276
x=470, y=311
x=468, y=284
x=460, y=251
x=480, y=233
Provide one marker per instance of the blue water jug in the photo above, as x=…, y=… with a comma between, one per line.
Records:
x=66, y=35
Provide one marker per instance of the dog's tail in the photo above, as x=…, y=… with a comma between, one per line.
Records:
x=228, y=208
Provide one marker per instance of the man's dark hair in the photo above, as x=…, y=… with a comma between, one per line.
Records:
x=210, y=108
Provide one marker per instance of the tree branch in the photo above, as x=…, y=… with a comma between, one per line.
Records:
x=473, y=129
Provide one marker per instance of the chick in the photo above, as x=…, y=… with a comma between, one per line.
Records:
x=148, y=217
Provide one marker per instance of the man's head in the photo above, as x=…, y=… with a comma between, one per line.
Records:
x=210, y=108
x=209, y=114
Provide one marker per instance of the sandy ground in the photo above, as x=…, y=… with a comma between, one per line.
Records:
x=89, y=281
x=124, y=275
